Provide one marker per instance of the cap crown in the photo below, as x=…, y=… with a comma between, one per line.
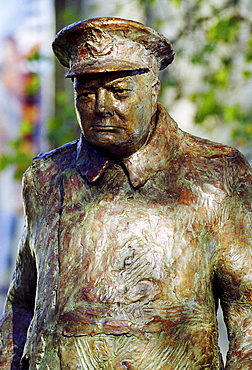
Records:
x=111, y=44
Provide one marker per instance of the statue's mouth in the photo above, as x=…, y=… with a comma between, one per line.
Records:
x=106, y=128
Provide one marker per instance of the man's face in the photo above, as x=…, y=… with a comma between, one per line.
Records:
x=115, y=110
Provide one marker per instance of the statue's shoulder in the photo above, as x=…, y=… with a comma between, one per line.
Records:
x=205, y=148
x=42, y=180
x=63, y=155
x=206, y=151
x=214, y=163
x=48, y=165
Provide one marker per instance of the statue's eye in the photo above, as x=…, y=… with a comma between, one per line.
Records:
x=85, y=94
x=120, y=92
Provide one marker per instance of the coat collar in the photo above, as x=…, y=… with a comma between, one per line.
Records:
x=143, y=164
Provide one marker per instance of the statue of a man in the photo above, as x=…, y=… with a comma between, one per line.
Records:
x=134, y=232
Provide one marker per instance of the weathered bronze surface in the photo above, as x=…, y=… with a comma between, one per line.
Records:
x=134, y=232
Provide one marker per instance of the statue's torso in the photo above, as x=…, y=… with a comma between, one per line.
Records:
x=136, y=277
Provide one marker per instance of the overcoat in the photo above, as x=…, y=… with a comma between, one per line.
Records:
x=122, y=265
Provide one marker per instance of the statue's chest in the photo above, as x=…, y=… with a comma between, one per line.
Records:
x=128, y=248
x=123, y=249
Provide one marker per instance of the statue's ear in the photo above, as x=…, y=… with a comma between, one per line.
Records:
x=154, y=94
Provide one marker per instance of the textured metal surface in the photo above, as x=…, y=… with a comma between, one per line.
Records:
x=128, y=277
x=132, y=235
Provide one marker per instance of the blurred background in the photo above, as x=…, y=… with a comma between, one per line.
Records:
x=207, y=89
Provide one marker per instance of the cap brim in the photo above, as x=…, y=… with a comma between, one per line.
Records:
x=106, y=65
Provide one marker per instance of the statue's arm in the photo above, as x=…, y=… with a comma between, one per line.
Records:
x=19, y=307
x=235, y=281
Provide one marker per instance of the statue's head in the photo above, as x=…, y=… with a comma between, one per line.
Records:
x=114, y=64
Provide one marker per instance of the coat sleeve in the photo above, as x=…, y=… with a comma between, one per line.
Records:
x=234, y=269
x=19, y=306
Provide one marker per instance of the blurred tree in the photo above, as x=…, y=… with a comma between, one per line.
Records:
x=23, y=148
x=213, y=68
x=212, y=71
x=62, y=127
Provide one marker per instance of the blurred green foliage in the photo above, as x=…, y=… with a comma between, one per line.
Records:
x=62, y=128
x=217, y=42
x=152, y=3
x=248, y=54
x=222, y=50
x=208, y=105
x=224, y=30
x=215, y=38
x=20, y=152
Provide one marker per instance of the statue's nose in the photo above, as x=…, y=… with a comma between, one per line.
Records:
x=104, y=105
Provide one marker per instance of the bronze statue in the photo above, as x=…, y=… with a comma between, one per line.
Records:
x=134, y=232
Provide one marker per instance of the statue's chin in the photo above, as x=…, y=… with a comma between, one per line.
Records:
x=114, y=147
